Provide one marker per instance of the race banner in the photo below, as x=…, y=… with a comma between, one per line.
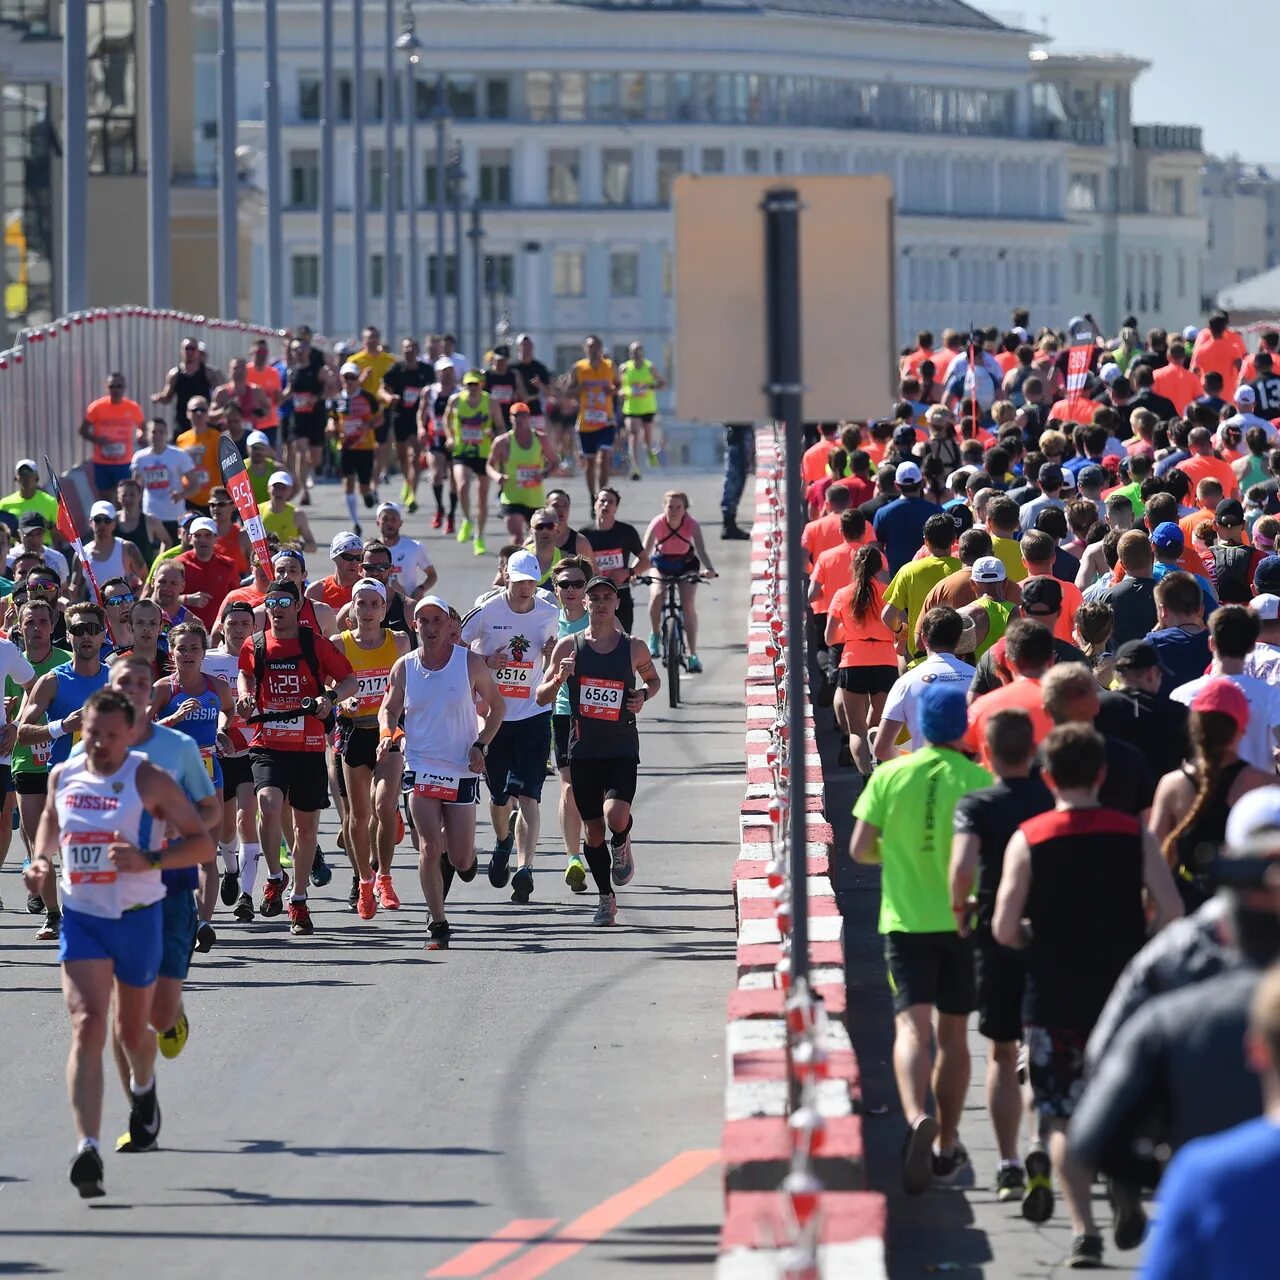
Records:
x=236, y=478
x=1078, y=358
x=70, y=523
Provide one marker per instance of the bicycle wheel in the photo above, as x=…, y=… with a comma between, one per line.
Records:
x=672, y=643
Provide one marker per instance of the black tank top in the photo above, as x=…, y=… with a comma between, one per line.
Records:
x=185, y=386
x=602, y=728
x=569, y=547
x=395, y=619
x=1085, y=909
x=140, y=538
x=1199, y=844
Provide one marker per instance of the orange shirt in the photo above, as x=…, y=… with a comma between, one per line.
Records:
x=821, y=535
x=1189, y=525
x=910, y=366
x=1007, y=360
x=867, y=643
x=1071, y=601
x=1178, y=384
x=333, y=593
x=117, y=424
x=1202, y=466
x=833, y=569
x=1081, y=411
x=1023, y=694
x=813, y=466
x=267, y=379
x=1249, y=370
x=1219, y=355
x=201, y=446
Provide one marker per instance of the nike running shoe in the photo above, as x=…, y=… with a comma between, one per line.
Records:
x=499, y=873
x=51, y=930
x=449, y=524
x=321, y=871
x=464, y=530
x=655, y=645
x=478, y=547
x=607, y=912
x=273, y=896
x=624, y=865
x=1011, y=1183
x=230, y=890
x=437, y=520
x=366, y=903
x=695, y=665
x=575, y=874
x=522, y=885
x=369, y=500
x=300, y=920
x=438, y=936
x=173, y=1041
x=1037, y=1202
x=144, y=1119
x=243, y=910
x=205, y=936
x=87, y=1173
x=388, y=899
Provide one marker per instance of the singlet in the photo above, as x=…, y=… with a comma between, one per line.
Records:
x=602, y=728
x=595, y=395
x=72, y=693
x=91, y=809
x=333, y=593
x=502, y=390
x=372, y=667
x=186, y=385
x=28, y=758
x=526, y=472
x=258, y=483
x=472, y=436
x=568, y=546
x=220, y=665
x=440, y=722
x=140, y=538
x=1199, y=844
x=244, y=400
x=556, y=556
x=228, y=545
x=1255, y=472
x=282, y=524
x=201, y=724
x=112, y=566
x=638, y=394
x=396, y=619
x=998, y=612
x=267, y=380
x=672, y=545
x=566, y=628
x=306, y=391
x=356, y=415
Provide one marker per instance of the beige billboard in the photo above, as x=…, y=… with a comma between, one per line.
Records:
x=846, y=296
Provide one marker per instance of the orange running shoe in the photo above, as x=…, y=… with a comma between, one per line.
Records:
x=366, y=904
x=387, y=894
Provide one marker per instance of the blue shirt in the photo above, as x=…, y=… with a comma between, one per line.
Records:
x=899, y=528
x=1217, y=1206
x=1206, y=587
x=1169, y=461
x=1184, y=657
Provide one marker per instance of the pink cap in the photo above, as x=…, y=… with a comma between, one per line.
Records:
x=1222, y=694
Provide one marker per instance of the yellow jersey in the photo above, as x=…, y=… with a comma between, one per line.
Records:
x=595, y=385
x=377, y=364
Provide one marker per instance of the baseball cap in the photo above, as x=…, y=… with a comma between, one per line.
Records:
x=907, y=472
x=368, y=584
x=24, y=464
x=202, y=524
x=1222, y=694
x=473, y=379
x=502, y=351
x=1110, y=372
x=904, y=433
x=1229, y=512
x=598, y=581
x=284, y=587
x=1266, y=577
x=186, y=521
x=1190, y=333
x=343, y=543
x=279, y=477
x=988, y=569
x=1137, y=655
x=944, y=712
x=1245, y=395
x=1051, y=476
x=31, y=520
x=524, y=567
x=104, y=508
x=1253, y=825
x=1041, y=596
x=1167, y=534
x=350, y=368
x=442, y=363
x=388, y=506
x=520, y=407
x=1266, y=607
x=431, y=602
x=1091, y=475
x=257, y=437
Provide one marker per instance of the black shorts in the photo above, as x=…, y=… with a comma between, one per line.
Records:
x=866, y=680
x=31, y=784
x=646, y=418
x=1055, y=1067
x=560, y=739
x=440, y=444
x=930, y=968
x=235, y=770
x=358, y=463
x=6, y=779
x=595, y=781
x=310, y=427
x=382, y=432
x=300, y=775
x=516, y=509
x=1001, y=975
x=478, y=465
x=405, y=428
x=626, y=609
x=516, y=763
x=593, y=442
x=358, y=744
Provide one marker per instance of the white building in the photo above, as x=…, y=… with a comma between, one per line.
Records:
x=1020, y=179
x=1242, y=203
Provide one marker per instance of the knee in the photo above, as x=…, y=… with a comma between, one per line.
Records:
x=88, y=1029
x=953, y=1033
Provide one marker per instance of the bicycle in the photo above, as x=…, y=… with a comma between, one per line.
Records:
x=675, y=655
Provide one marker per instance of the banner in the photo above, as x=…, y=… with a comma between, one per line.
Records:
x=236, y=478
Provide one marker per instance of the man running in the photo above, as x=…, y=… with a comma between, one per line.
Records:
x=593, y=381
x=519, y=463
x=402, y=387
x=473, y=420
x=435, y=690
x=354, y=422
x=103, y=813
x=640, y=381
x=618, y=551
x=434, y=429
x=599, y=667
x=414, y=573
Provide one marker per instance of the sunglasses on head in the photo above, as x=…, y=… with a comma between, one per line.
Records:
x=279, y=602
x=84, y=628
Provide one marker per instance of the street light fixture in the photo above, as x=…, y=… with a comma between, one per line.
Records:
x=455, y=186
x=409, y=44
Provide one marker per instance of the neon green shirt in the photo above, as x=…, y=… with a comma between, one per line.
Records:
x=912, y=801
x=913, y=582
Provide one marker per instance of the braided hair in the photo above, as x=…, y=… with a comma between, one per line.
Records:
x=1213, y=734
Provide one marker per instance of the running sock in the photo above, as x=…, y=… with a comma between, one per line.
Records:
x=249, y=853
x=469, y=874
x=600, y=863
x=230, y=863
x=139, y=1089
x=618, y=838
x=506, y=845
x=87, y=1144
x=277, y=877
x=447, y=870
x=298, y=899
x=438, y=491
x=352, y=510
x=453, y=502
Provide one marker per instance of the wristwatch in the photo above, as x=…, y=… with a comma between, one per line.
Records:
x=480, y=746
x=155, y=857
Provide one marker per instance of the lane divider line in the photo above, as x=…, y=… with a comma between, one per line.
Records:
x=497, y=1248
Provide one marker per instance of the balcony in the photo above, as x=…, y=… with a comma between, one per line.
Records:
x=1167, y=137
x=1083, y=133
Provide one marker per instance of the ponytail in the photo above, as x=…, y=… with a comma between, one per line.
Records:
x=867, y=562
x=1212, y=736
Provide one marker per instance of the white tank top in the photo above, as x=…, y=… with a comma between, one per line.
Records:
x=440, y=721
x=112, y=566
x=224, y=666
x=91, y=809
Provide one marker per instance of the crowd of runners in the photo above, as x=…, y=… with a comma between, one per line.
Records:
x=1045, y=606
x=182, y=702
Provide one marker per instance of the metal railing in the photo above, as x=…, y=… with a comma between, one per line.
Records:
x=51, y=373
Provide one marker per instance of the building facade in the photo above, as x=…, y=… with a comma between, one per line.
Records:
x=1242, y=205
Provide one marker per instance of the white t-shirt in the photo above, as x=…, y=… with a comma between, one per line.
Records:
x=1263, y=661
x=1259, y=741
x=52, y=557
x=410, y=561
x=903, y=702
x=160, y=475
x=14, y=665
x=461, y=365
x=496, y=628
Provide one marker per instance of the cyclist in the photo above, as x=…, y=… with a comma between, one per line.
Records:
x=618, y=551
x=640, y=381
x=674, y=542
x=520, y=462
x=473, y=420
x=593, y=382
x=599, y=665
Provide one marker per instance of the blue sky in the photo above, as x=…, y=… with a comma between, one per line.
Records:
x=1234, y=104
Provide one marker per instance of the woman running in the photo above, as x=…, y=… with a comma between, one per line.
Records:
x=674, y=542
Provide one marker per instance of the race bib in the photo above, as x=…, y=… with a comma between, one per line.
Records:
x=156, y=479
x=472, y=433
x=40, y=754
x=372, y=688
x=641, y=388
x=515, y=679
x=114, y=449
x=538, y=422
x=595, y=418
x=437, y=786
x=84, y=855
x=409, y=396
x=304, y=401
x=199, y=478
x=503, y=395
x=600, y=699
x=284, y=733
x=610, y=560
x=206, y=755
x=528, y=477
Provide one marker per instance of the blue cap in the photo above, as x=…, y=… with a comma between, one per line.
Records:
x=1266, y=577
x=1167, y=535
x=944, y=712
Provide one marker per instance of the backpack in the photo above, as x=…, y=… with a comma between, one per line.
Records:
x=946, y=450
x=979, y=385
x=307, y=644
x=1231, y=573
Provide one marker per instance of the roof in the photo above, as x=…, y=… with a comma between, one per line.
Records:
x=1259, y=294
x=923, y=13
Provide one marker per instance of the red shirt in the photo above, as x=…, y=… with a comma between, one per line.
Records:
x=217, y=576
x=333, y=593
x=860, y=490
x=1021, y=693
x=1081, y=411
x=286, y=680
x=251, y=594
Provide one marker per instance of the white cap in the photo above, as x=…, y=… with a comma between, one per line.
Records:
x=1110, y=372
x=341, y=349
x=257, y=437
x=524, y=567
x=342, y=543
x=433, y=602
x=988, y=569
x=961, y=473
x=442, y=364
x=279, y=477
x=1021, y=332
x=1245, y=395
x=203, y=525
x=350, y=368
x=1254, y=822
x=369, y=584
x=388, y=506
x=1191, y=333
x=107, y=509
x=907, y=473
x=1266, y=607
x=25, y=462
x=1068, y=479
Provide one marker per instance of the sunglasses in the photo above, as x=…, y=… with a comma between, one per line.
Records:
x=197, y=410
x=279, y=602
x=41, y=586
x=571, y=584
x=349, y=557
x=220, y=502
x=543, y=528
x=102, y=520
x=123, y=598
x=84, y=629
x=350, y=377
x=374, y=568
x=115, y=386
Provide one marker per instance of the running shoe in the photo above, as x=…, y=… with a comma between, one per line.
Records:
x=1037, y=1203
x=243, y=910
x=230, y=890
x=917, y=1156
x=321, y=871
x=205, y=936
x=653, y=457
x=300, y=920
x=388, y=899
x=438, y=936
x=624, y=865
x=695, y=665
x=87, y=1173
x=635, y=473
x=173, y=1041
x=357, y=530
x=369, y=500
x=1129, y=1224
x=1086, y=1254
x=607, y=912
x=51, y=930
x=478, y=547
x=499, y=872
x=437, y=520
x=655, y=645
x=354, y=896
x=144, y=1119
x=305, y=500
x=945, y=1167
x=366, y=904
x=273, y=896
x=449, y=524
x=412, y=506
x=35, y=904
x=522, y=885
x=1011, y=1182
x=464, y=530
x=469, y=874
x=286, y=856
x=575, y=874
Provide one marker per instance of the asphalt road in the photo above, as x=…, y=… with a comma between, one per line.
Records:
x=350, y=1103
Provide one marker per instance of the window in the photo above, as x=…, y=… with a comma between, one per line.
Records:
x=308, y=96
x=304, y=179
x=624, y=274
x=1084, y=193
x=495, y=176
x=344, y=97
x=112, y=87
x=500, y=274
x=670, y=163
x=566, y=356
x=539, y=95
x=712, y=159
x=631, y=95
x=461, y=91
x=378, y=275
x=375, y=184
x=563, y=176
x=751, y=159
x=497, y=98
x=569, y=273
x=602, y=96
x=450, y=273
x=571, y=95
x=615, y=183
x=1167, y=196
x=1182, y=276
x=305, y=274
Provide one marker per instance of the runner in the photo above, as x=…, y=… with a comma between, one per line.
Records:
x=345, y=550
x=109, y=556
x=278, y=670
x=519, y=463
x=414, y=573
x=401, y=389
x=191, y=379
x=640, y=381
x=513, y=632
x=111, y=884
x=434, y=428
x=290, y=566
x=376, y=564
x=593, y=382
x=231, y=542
x=163, y=472
x=618, y=551
x=568, y=539
x=240, y=395
x=309, y=382
x=353, y=422
x=207, y=574
x=264, y=375
x=200, y=444
x=259, y=466
x=674, y=541
x=598, y=667
x=18, y=676
x=281, y=518
x=503, y=383
x=435, y=690
x=112, y=424
x=537, y=380
x=472, y=420
x=371, y=782
x=374, y=363
x=147, y=533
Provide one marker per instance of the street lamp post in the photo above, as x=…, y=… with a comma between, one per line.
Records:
x=442, y=177
x=390, y=280
x=476, y=235
x=409, y=44
x=359, y=233
x=455, y=180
